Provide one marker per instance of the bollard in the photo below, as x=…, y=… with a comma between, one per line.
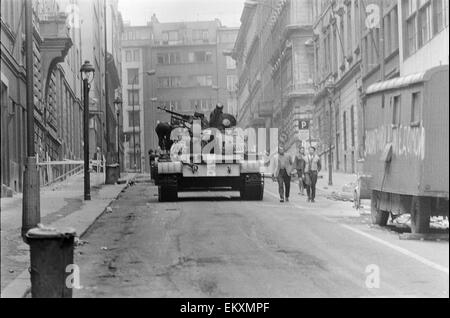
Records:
x=51, y=253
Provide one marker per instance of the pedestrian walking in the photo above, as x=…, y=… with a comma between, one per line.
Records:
x=282, y=169
x=313, y=167
x=300, y=164
x=152, y=158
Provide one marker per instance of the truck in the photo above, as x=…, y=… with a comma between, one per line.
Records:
x=406, y=147
x=206, y=171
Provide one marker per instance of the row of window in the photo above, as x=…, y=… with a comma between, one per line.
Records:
x=371, y=42
x=201, y=104
x=192, y=57
x=416, y=102
x=424, y=20
x=132, y=55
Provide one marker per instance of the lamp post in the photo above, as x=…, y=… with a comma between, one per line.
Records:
x=118, y=103
x=31, y=214
x=330, y=90
x=87, y=74
x=133, y=84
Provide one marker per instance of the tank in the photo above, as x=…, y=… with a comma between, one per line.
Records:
x=205, y=155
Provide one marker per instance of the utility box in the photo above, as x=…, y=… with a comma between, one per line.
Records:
x=51, y=254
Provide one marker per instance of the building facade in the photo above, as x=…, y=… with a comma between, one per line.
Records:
x=338, y=80
x=58, y=111
x=101, y=48
x=56, y=91
x=191, y=73
x=351, y=53
x=423, y=33
x=274, y=55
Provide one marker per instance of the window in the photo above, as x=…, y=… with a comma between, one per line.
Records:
x=352, y=125
x=200, y=36
x=169, y=82
x=200, y=57
x=344, y=122
x=170, y=37
x=202, y=80
x=169, y=58
x=416, y=108
x=335, y=50
x=232, y=83
x=396, y=111
x=191, y=57
x=395, y=30
x=134, y=118
x=128, y=56
x=387, y=35
x=201, y=104
x=232, y=106
x=440, y=15
x=349, y=29
x=342, y=38
x=173, y=105
x=425, y=26
x=133, y=97
x=411, y=34
x=133, y=76
x=136, y=55
x=231, y=64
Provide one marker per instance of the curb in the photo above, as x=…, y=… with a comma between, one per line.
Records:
x=20, y=287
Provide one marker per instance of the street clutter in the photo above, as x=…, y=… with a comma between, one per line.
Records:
x=62, y=206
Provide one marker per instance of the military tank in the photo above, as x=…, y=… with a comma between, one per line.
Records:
x=189, y=163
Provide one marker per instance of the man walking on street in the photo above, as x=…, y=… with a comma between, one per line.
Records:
x=300, y=165
x=282, y=169
x=313, y=167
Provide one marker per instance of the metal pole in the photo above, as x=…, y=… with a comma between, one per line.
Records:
x=107, y=117
x=382, y=41
x=87, y=180
x=29, y=77
x=330, y=155
x=31, y=214
x=281, y=91
x=118, y=137
x=134, y=126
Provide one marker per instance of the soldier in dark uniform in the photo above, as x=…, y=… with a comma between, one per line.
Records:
x=163, y=130
x=216, y=116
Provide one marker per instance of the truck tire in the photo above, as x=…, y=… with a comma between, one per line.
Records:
x=252, y=188
x=168, y=189
x=420, y=215
x=378, y=216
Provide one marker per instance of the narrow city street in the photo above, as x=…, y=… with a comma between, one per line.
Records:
x=214, y=245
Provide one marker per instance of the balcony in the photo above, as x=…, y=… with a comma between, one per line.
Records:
x=299, y=90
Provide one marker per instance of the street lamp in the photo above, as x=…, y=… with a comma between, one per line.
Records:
x=133, y=84
x=118, y=103
x=87, y=74
x=330, y=89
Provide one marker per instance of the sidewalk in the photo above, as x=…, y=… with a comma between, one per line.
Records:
x=342, y=188
x=62, y=205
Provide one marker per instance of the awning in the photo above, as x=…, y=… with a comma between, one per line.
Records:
x=405, y=81
x=396, y=83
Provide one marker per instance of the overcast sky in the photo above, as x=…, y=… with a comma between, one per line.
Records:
x=138, y=12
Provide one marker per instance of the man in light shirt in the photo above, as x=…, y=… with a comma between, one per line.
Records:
x=313, y=167
x=282, y=169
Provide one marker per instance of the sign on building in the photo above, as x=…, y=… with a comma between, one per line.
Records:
x=304, y=129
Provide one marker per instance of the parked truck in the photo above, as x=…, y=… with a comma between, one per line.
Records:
x=406, y=144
